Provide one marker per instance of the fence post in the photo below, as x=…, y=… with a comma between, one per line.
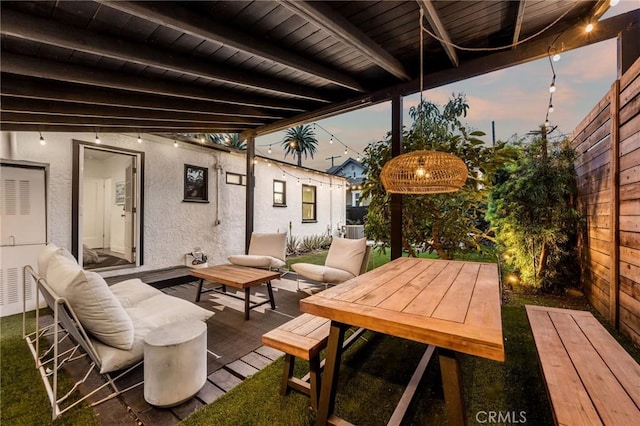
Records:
x=614, y=280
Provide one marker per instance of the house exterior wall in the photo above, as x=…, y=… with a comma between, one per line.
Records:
x=172, y=227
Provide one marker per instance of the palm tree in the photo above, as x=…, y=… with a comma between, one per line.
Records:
x=300, y=140
x=233, y=140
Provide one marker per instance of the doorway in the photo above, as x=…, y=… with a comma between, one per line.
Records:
x=107, y=200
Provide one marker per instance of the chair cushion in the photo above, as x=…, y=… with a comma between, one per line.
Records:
x=320, y=273
x=274, y=245
x=346, y=254
x=148, y=309
x=256, y=261
x=97, y=308
x=45, y=255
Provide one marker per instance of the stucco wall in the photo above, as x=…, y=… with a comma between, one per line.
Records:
x=173, y=227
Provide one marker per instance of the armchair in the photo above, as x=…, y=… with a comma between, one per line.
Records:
x=346, y=259
x=266, y=250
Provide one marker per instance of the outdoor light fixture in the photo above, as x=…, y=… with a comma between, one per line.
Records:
x=331, y=139
x=423, y=171
x=42, y=141
x=97, y=139
x=589, y=27
x=269, y=150
x=550, y=108
x=552, y=88
x=556, y=57
x=139, y=138
x=345, y=151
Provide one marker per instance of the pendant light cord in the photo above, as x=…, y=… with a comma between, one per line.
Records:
x=421, y=77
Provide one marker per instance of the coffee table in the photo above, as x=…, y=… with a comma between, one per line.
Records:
x=241, y=277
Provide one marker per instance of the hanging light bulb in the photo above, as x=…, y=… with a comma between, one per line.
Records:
x=550, y=107
x=175, y=143
x=202, y=138
x=589, y=27
x=139, y=138
x=331, y=139
x=97, y=139
x=268, y=163
x=269, y=150
x=614, y=3
x=255, y=161
x=345, y=151
x=546, y=123
x=298, y=181
x=552, y=88
x=42, y=141
x=556, y=57
x=358, y=159
x=284, y=176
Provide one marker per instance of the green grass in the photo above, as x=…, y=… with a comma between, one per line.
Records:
x=23, y=399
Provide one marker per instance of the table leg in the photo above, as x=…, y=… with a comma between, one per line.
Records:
x=452, y=385
x=331, y=372
x=270, y=290
x=247, y=295
x=199, y=290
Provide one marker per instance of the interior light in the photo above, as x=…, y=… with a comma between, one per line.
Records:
x=589, y=27
x=42, y=141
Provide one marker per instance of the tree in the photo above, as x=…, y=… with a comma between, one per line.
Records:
x=444, y=223
x=534, y=214
x=300, y=140
x=233, y=140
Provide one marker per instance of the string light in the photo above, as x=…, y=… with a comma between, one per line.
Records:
x=139, y=138
x=556, y=57
x=42, y=141
x=550, y=107
x=589, y=27
x=614, y=3
x=97, y=139
x=202, y=139
x=269, y=151
x=175, y=143
x=331, y=140
x=552, y=88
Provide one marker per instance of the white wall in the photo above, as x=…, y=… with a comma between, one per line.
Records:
x=173, y=227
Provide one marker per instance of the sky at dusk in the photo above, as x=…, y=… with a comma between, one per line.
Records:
x=515, y=98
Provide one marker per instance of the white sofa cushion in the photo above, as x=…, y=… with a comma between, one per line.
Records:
x=346, y=254
x=148, y=309
x=324, y=274
x=93, y=302
x=256, y=261
x=45, y=255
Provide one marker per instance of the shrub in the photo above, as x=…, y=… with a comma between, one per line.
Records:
x=293, y=245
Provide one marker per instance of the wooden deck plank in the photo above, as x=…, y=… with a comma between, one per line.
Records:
x=573, y=407
x=224, y=379
x=268, y=352
x=256, y=360
x=241, y=368
x=209, y=392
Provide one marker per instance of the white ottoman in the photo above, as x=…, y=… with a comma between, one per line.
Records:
x=175, y=362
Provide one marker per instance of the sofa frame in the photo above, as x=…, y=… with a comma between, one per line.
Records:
x=62, y=342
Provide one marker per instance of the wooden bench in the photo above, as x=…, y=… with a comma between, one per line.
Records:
x=590, y=378
x=303, y=337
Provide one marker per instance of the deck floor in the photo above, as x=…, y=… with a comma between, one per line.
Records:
x=235, y=352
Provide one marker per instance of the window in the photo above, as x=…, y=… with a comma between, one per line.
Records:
x=279, y=193
x=236, y=179
x=308, y=203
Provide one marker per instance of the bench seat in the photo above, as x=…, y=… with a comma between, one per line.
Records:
x=590, y=378
x=302, y=337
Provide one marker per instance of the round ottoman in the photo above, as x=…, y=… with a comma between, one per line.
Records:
x=175, y=362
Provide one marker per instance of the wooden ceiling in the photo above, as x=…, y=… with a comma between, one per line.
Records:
x=257, y=66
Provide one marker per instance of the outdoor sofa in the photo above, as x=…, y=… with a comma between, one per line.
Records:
x=105, y=325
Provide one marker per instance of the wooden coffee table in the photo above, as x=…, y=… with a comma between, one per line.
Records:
x=241, y=277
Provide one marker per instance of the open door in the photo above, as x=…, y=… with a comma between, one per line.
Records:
x=129, y=212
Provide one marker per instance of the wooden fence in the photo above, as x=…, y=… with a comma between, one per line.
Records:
x=608, y=171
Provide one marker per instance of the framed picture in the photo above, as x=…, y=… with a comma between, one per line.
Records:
x=119, y=194
x=196, y=188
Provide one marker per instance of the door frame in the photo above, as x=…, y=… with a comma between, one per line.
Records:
x=75, y=195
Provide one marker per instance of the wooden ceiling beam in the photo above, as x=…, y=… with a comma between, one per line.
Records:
x=45, y=68
x=35, y=88
x=517, y=28
x=27, y=27
x=172, y=15
x=21, y=105
x=97, y=123
x=431, y=14
x=73, y=128
x=573, y=38
x=339, y=27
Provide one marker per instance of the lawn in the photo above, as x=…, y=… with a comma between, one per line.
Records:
x=374, y=373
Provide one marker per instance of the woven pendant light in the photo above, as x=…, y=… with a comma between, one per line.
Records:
x=423, y=172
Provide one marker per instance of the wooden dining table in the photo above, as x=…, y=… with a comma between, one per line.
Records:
x=453, y=306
